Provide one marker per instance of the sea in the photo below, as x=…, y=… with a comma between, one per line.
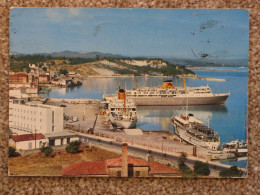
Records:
x=228, y=120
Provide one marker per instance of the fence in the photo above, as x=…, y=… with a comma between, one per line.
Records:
x=149, y=146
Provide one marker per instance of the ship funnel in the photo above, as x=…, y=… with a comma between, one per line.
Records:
x=167, y=84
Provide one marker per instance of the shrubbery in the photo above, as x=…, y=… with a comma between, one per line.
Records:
x=12, y=152
x=47, y=150
x=231, y=172
x=187, y=172
x=201, y=168
x=73, y=147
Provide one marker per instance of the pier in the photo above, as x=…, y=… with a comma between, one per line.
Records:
x=165, y=146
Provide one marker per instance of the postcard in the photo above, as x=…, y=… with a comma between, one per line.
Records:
x=128, y=92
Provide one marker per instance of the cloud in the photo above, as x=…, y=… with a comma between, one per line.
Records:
x=57, y=15
x=74, y=11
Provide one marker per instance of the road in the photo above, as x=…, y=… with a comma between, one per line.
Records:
x=214, y=166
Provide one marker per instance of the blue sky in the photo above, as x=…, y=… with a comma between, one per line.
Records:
x=182, y=33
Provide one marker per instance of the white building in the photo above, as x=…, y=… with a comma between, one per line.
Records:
x=34, y=117
x=27, y=141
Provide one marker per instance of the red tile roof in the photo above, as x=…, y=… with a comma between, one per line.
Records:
x=117, y=162
x=27, y=137
x=156, y=167
x=86, y=168
x=19, y=75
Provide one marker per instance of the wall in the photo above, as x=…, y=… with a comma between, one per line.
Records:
x=24, y=145
x=31, y=117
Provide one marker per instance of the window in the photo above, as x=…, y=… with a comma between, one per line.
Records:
x=52, y=142
x=118, y=173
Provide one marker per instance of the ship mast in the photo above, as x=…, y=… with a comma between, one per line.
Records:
x=118, y=83
x=184, y=82
x=136, y=85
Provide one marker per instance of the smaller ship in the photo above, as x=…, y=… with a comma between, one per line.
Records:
x=237, y=147
x=194, y=131
x=120, y=111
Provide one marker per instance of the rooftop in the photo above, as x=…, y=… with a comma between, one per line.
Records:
x=28, y=137
x=86, y=168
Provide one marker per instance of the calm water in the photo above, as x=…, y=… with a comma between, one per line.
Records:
x=228, y=120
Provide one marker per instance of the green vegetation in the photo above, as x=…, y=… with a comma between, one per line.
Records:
x=231, y=172
x=47, y=150
x=12, y=152
x=201, y=168
x=21, y=62
x=74, y=61
x=44, y=69
x=187, y=172
x=64, y=72
x=73, y=147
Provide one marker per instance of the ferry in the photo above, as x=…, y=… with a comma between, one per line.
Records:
x=121, y=111
x=169, y=95
x=193, y=131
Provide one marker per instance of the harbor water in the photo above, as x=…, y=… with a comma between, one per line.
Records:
x=227, y=120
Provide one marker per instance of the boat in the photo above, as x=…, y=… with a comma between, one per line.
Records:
x=120, y=111
x=169, y=95
x=237, y=147
x=193, y=131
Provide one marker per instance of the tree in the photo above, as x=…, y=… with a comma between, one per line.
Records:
x=44, y=69
x=73, y=147
x=65, y=72
x=231, y=172
x=47, y=150
x=201, y=168
x=12, y=152
x=187, y=172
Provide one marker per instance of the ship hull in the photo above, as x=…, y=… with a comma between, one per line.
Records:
x=186, y=137
x=124, y=124
x=181, y=100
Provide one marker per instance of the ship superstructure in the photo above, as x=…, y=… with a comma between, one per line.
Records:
x=120, y=110
x=170, y=95
x=193, y=131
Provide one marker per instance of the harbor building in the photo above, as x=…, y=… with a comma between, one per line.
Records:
x=27, y=141
x=124, y=166
x=35, y=117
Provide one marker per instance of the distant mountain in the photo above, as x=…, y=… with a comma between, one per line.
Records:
x=206, y=62
x=171, y=60
x=72, y=54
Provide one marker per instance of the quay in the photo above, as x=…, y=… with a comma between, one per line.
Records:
x=162, y=145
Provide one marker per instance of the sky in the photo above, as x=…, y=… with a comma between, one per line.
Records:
x=181, y=33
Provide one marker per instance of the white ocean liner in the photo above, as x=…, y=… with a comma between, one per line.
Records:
x=195, y=132
x=170, y=95
x=121, y=111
